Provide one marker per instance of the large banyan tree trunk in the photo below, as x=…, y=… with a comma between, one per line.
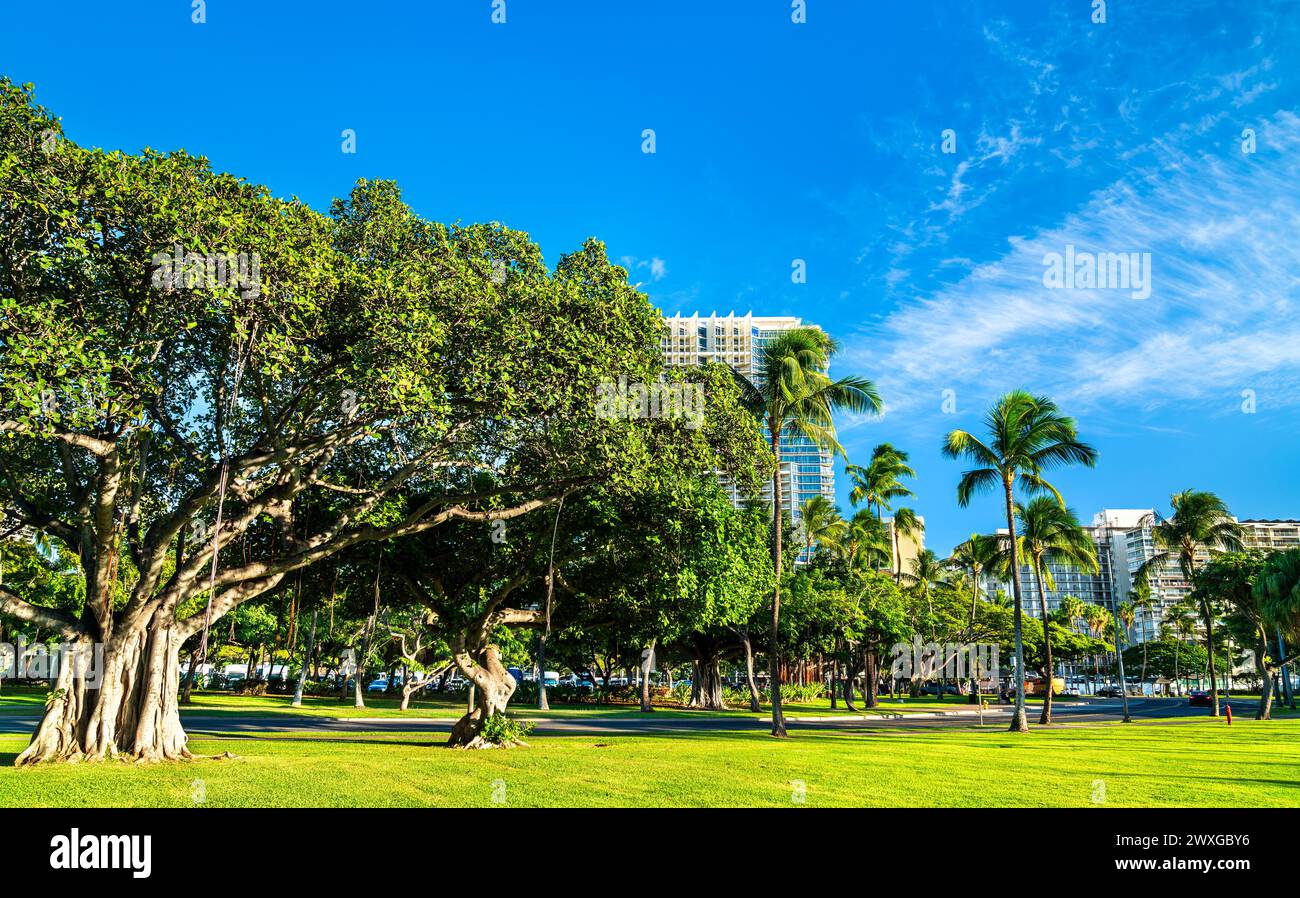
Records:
x=706, y=681
x=493, y=688
x=130, y=711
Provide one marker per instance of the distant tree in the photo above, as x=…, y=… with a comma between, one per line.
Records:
x=820, y=522
x=1050, y=533
x=1027, y=436
x=906, y=523
x=1200, y=523
x=798, y=398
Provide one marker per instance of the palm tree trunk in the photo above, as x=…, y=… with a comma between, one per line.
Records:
x=1046, y=716
x=1018, y=722
x=773, y=649
x=974, y=604
x=1209, y=649
x=1263, y=711
x=898, y=559
x=1145, y=634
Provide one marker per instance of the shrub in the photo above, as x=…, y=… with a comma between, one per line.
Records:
x=796, y=694
x=502, y=730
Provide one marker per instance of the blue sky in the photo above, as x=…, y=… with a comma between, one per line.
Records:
x=822, y=142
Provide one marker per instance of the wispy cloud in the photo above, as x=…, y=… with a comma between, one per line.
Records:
x=655, y=268
x=1223, y=230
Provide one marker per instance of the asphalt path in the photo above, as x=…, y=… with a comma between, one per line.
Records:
x=1072, y=712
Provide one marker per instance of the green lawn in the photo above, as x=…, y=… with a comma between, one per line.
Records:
x=1184, y=764
x=30, y=700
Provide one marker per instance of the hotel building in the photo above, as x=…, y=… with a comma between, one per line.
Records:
x=807, y=470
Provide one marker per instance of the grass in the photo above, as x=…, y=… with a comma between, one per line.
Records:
x=31, y=699
x=1179, y=764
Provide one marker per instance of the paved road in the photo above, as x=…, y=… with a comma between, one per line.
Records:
x=1075, y=712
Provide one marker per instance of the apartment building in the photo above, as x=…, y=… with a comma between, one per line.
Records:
x=807, y=470
x=1124, y=543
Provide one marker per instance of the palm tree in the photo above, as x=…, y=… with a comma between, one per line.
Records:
x=1278, y=588
x=1097, y=620
x=927, y=571
x=798, y=398
x=906, y=523
x=821, y=521
x=1126, y=613
x=1181, y=620
x=976, y=555
x=1051, y=532
x=864, y=543
x=1278, y=591
x=1143, y=605
x=1200, y=523
x=1072, y=607
x=879, y=484
x=1028, y=435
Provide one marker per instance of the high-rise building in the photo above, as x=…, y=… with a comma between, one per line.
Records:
x=807, y=470
x=1271, y=535
x=1124, y=543
x=910, y=546
x=1095, y=588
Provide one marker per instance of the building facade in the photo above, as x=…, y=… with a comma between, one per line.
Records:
x=1124, y=543
x=807, y=470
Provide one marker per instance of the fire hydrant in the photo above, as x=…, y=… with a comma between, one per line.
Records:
x=1228, y=708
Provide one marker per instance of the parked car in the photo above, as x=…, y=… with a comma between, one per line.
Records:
x=940, y=688
x=1198, y=699
x=1109, y=692
x=379, y=684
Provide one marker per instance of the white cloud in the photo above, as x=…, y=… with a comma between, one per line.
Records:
x=655, y=267
x=1224, y=234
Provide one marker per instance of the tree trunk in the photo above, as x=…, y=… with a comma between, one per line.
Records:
x=774, y=647
x=1046, y=716
x=870, y=680
x=1209, y=648
x=493, y=687
x=835, y=677
x=1264, y=711
x=755, y=704
x=1143, y=683
x=706, y=683
x=850, y=674
x=647, y=665
x=974, y=698
x=306, y=660
x=1284, y=672
x=358, y=690
x=132, y=711
x=542, y=703
x=1018, y=722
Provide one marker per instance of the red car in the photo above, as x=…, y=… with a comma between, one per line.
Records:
x=1198, y=699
